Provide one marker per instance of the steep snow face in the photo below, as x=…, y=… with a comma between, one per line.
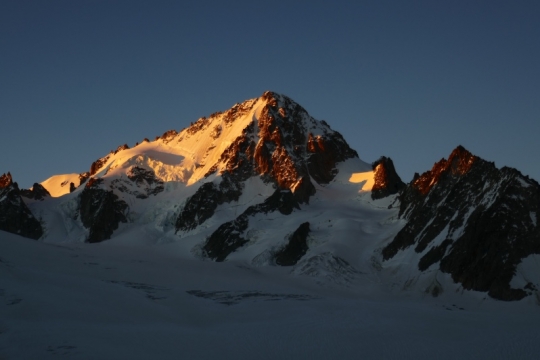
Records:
x=184, y=157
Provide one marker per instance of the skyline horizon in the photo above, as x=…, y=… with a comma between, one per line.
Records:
x=152, y=138
x=410, y=81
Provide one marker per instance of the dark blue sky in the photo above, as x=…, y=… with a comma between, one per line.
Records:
x=406, y=79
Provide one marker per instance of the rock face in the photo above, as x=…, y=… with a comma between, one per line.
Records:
x=280, y=146
x=101, y=211
x=387, y=181
x=140, y=183
x=201, y=206
x=38, y=192
x=6, y=180
x=230, y=235
x=285, y=147
x=292, y=147
x=296, y=248
x=15, y=217
x=473, y=221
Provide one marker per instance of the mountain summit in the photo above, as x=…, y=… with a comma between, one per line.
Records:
x=265, y=184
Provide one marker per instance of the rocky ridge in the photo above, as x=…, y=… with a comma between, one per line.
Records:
x=15, y=216
x=473, y=221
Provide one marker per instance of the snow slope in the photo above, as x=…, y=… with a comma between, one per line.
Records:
x=106, y=301
x=58, y=185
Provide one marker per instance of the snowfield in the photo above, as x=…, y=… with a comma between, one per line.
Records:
x=109, y=301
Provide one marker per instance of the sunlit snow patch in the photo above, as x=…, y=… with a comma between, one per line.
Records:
x=58, y=185
x=364, y=178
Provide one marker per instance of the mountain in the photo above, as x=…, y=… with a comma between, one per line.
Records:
x=266, y=185
x=473, y=221
x=15, y=216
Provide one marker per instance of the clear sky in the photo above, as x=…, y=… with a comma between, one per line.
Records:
x=406, y=79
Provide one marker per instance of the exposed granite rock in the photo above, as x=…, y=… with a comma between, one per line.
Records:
x=284, y=142
x=101, y=211
x=15, y=216
x=120, y=148
x=387, y=181
x=303, y=189
x=83, y=177
x=226, y=239
x=6, y=180
x=476, y=222
x=38, y=192
x=169, y=135
x=279, y=147
x=283, y=201
x=146, y=180
x=296, y=248
x=288, y=151
x=326, y=152
x=98, y=164
x=140, y=183
x=207, y=198
x=229, y=236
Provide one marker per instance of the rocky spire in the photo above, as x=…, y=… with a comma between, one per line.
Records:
x=15, y=216
x=5, y=180
x=471, y=220
x=387, y=181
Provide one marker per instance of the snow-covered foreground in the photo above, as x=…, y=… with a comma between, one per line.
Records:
x=112, y=301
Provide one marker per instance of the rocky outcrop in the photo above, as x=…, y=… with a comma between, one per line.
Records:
x=296, y=247
x=101, y=211
x=324, y=153
x=83, y=177
x=202, y=205
x=146, y=180
x=387, y=181
x=15, y=216
x=230, y=235
x=140, y=182
x=6, y=180
x=288, y=151
x=285, y=151
x=98, y=164
x=38, y=192
x=471, y=220
x=279, y=146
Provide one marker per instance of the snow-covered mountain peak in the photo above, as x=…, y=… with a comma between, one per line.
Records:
x=264, y=184
x=271, y=136
x=260, y=147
